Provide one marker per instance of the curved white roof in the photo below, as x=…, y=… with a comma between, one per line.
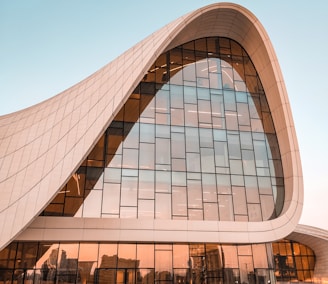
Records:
x=42, y=146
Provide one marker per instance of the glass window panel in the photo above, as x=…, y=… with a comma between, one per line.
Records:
x=223, y=184
x=191, y=118
x=239, y=83
x=234, y=146
x=248, y=162
x=193, y=162
x=231, y=120
x=131, y=110
x=112, y=175
x=163, y=206
x=72, y=205
x=268, y=123
x=147, y=156
x=239, y=200
x=163, y=265
x=163, y=118
x=180, y=256
x=252, y=193
x=206, y=137
x=229, y=101
x=111, y=198
x=254, y=107
x=145, y=255
x=245, y=267
x=176, y=96
x=203, y=82
x=254, y=212
x=92, y=204
x=204, y=111
x=237, y=180
x=221, y=154
x=147, y=132
x=214, y=65
x=190, y=95
x=129, y=191
x=267, y=205
x=211, y=211
x=217, y=105
x=207, y=160
x=192, y=139
x=215, y=80
x=146, y=184
x=178, y=145
x=246, y=140
x=236, y=167
x=114, y=161
x=225, y=207
x=163, y=151
x=162, y=101
x=162, y=131
x=209, y=188
x=189, y=72
x=261, y=154
x=220, y=135
x=130, y=158
x=179, y=201
x=146, y=209
x=27, y=256
x=126, y=256
x=177, y=116
x=176, y=74
x=202, y=68
x=107, y=255
x=179, y=165
x=243, y=114
x=163, y=181
x=128, y=212
x=147, y=107
x=203, y=94
x=195, y=214
x=265, y=185
x=194, y=191
x=67, y=258
x=179, y=178
x=256, y=125
x=230, y=256
x=131, y=135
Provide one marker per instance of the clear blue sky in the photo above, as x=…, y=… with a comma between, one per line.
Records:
x=47, y=46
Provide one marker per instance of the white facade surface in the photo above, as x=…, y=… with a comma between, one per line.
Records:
x=42, y=146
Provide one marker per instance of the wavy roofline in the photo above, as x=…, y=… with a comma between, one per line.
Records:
x=43, y=145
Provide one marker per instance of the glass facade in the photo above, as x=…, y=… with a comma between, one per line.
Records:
x=194, y=141
x=24, y=262
x=293, y=261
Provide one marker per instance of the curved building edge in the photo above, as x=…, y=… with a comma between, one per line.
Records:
x=42, y=146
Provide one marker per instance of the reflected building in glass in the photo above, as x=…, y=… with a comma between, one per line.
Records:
x=175, y=163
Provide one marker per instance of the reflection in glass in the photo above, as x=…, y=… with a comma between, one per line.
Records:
x=199, y=110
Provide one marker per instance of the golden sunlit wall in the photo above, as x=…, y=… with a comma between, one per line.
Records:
x=293, y=261
x=146, y=263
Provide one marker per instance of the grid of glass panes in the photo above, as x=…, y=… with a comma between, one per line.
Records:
x=194, y=141
x=38, y=262
x=293, y=261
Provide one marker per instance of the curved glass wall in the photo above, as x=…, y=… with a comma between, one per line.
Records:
x=27, y=262
x=194, y=141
